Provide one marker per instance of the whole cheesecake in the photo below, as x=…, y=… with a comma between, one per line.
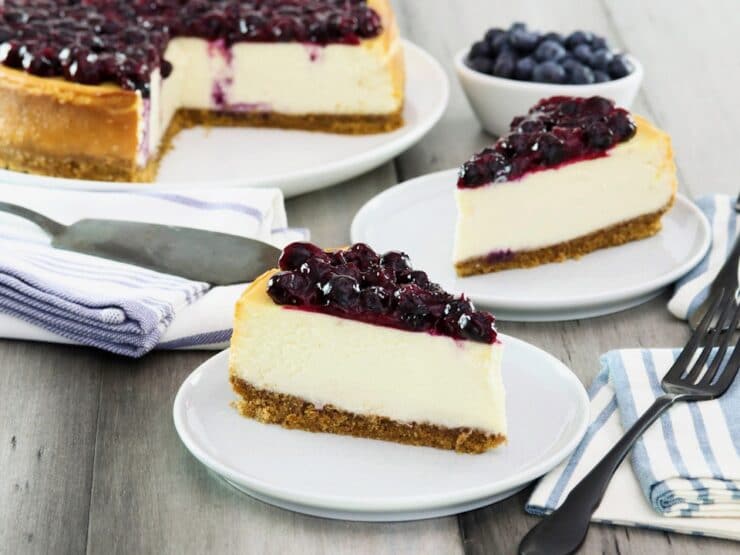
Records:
x=97, y=89
x=350, y=342
x=572, y=176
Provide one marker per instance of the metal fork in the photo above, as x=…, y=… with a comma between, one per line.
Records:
x=693, y=377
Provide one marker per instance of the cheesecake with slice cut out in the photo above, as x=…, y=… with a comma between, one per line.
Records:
x=98, y=89
x=351, y=342
x=572, y=176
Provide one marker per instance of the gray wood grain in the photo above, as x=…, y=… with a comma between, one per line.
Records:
x=48, y=413
x=89, y=458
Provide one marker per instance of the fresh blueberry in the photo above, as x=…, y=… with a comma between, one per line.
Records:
x=549, y=72
x=582, y=53
x=549, y=50
x=619, y=67
x=496, y=40
x=517, y=26
x=580, y=75
x=524, y=41
x=578, y=37
x=601, y=76
x=482, y=65
x=553, y=36
x=524, y=68
x=492, y=34
x=505, y=64
x=601, y=58
x=569, y=63
x=598, y=42
x=480, y=49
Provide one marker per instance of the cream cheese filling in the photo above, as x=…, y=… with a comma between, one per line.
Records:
x=249, y=77
x=553, y=206
x=370, y=370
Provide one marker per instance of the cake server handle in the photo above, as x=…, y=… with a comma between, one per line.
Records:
x=50, y=226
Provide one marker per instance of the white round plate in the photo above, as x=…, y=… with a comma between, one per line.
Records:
x=295, y=161
x=418, y=217
x=360, y=479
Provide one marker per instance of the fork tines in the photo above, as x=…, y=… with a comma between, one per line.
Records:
x=690, y=374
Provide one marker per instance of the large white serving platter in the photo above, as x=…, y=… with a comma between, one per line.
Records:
x=294, y=161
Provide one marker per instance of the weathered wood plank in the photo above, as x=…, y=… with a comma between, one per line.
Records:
x=48, y=409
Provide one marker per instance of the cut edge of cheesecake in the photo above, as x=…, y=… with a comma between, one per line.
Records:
x=633, y=229
x=294, y=412
x=59, y=128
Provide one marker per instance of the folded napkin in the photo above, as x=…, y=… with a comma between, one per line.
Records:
x=686, y=465
x=693, y=288
x=48, y=294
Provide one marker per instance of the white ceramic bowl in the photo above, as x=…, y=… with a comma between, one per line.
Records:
x=496, y=101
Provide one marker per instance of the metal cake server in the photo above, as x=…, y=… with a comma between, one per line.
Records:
x=726, y=278
x=215, y=258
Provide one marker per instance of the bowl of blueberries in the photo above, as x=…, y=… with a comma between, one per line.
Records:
x=509, y=70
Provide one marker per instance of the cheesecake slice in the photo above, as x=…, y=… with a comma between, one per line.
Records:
x=98, y=89
x=349, y=342
x=572, y=176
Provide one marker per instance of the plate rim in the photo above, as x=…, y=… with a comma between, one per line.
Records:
x=587, y=302
x=345, y=168
x=581, y=418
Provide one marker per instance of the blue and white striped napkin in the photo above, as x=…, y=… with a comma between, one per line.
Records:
x=692, y=289
x=48, y=294
x=686, y=465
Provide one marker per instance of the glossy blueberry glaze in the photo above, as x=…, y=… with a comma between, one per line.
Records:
x=359, y=284
x=557, y=131
x=123, y=41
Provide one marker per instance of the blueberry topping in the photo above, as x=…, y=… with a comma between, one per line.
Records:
x=382, y=290
x=123, y=41
x=555, y=131
x=514, y=53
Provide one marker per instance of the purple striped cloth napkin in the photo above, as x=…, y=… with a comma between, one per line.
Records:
x=54, y=295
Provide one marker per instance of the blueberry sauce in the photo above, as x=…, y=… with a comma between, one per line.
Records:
x=123, y=41
x=359, y=284
x=557, y=131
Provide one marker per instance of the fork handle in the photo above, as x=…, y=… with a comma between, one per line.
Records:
x=564, y=530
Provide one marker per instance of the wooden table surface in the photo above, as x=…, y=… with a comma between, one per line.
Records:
x=89, y=457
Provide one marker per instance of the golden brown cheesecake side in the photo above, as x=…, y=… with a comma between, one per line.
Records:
x=56, y=127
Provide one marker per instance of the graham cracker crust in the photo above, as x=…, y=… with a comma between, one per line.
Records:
x=125, y=170
x=295, y=413
x=619, y=234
